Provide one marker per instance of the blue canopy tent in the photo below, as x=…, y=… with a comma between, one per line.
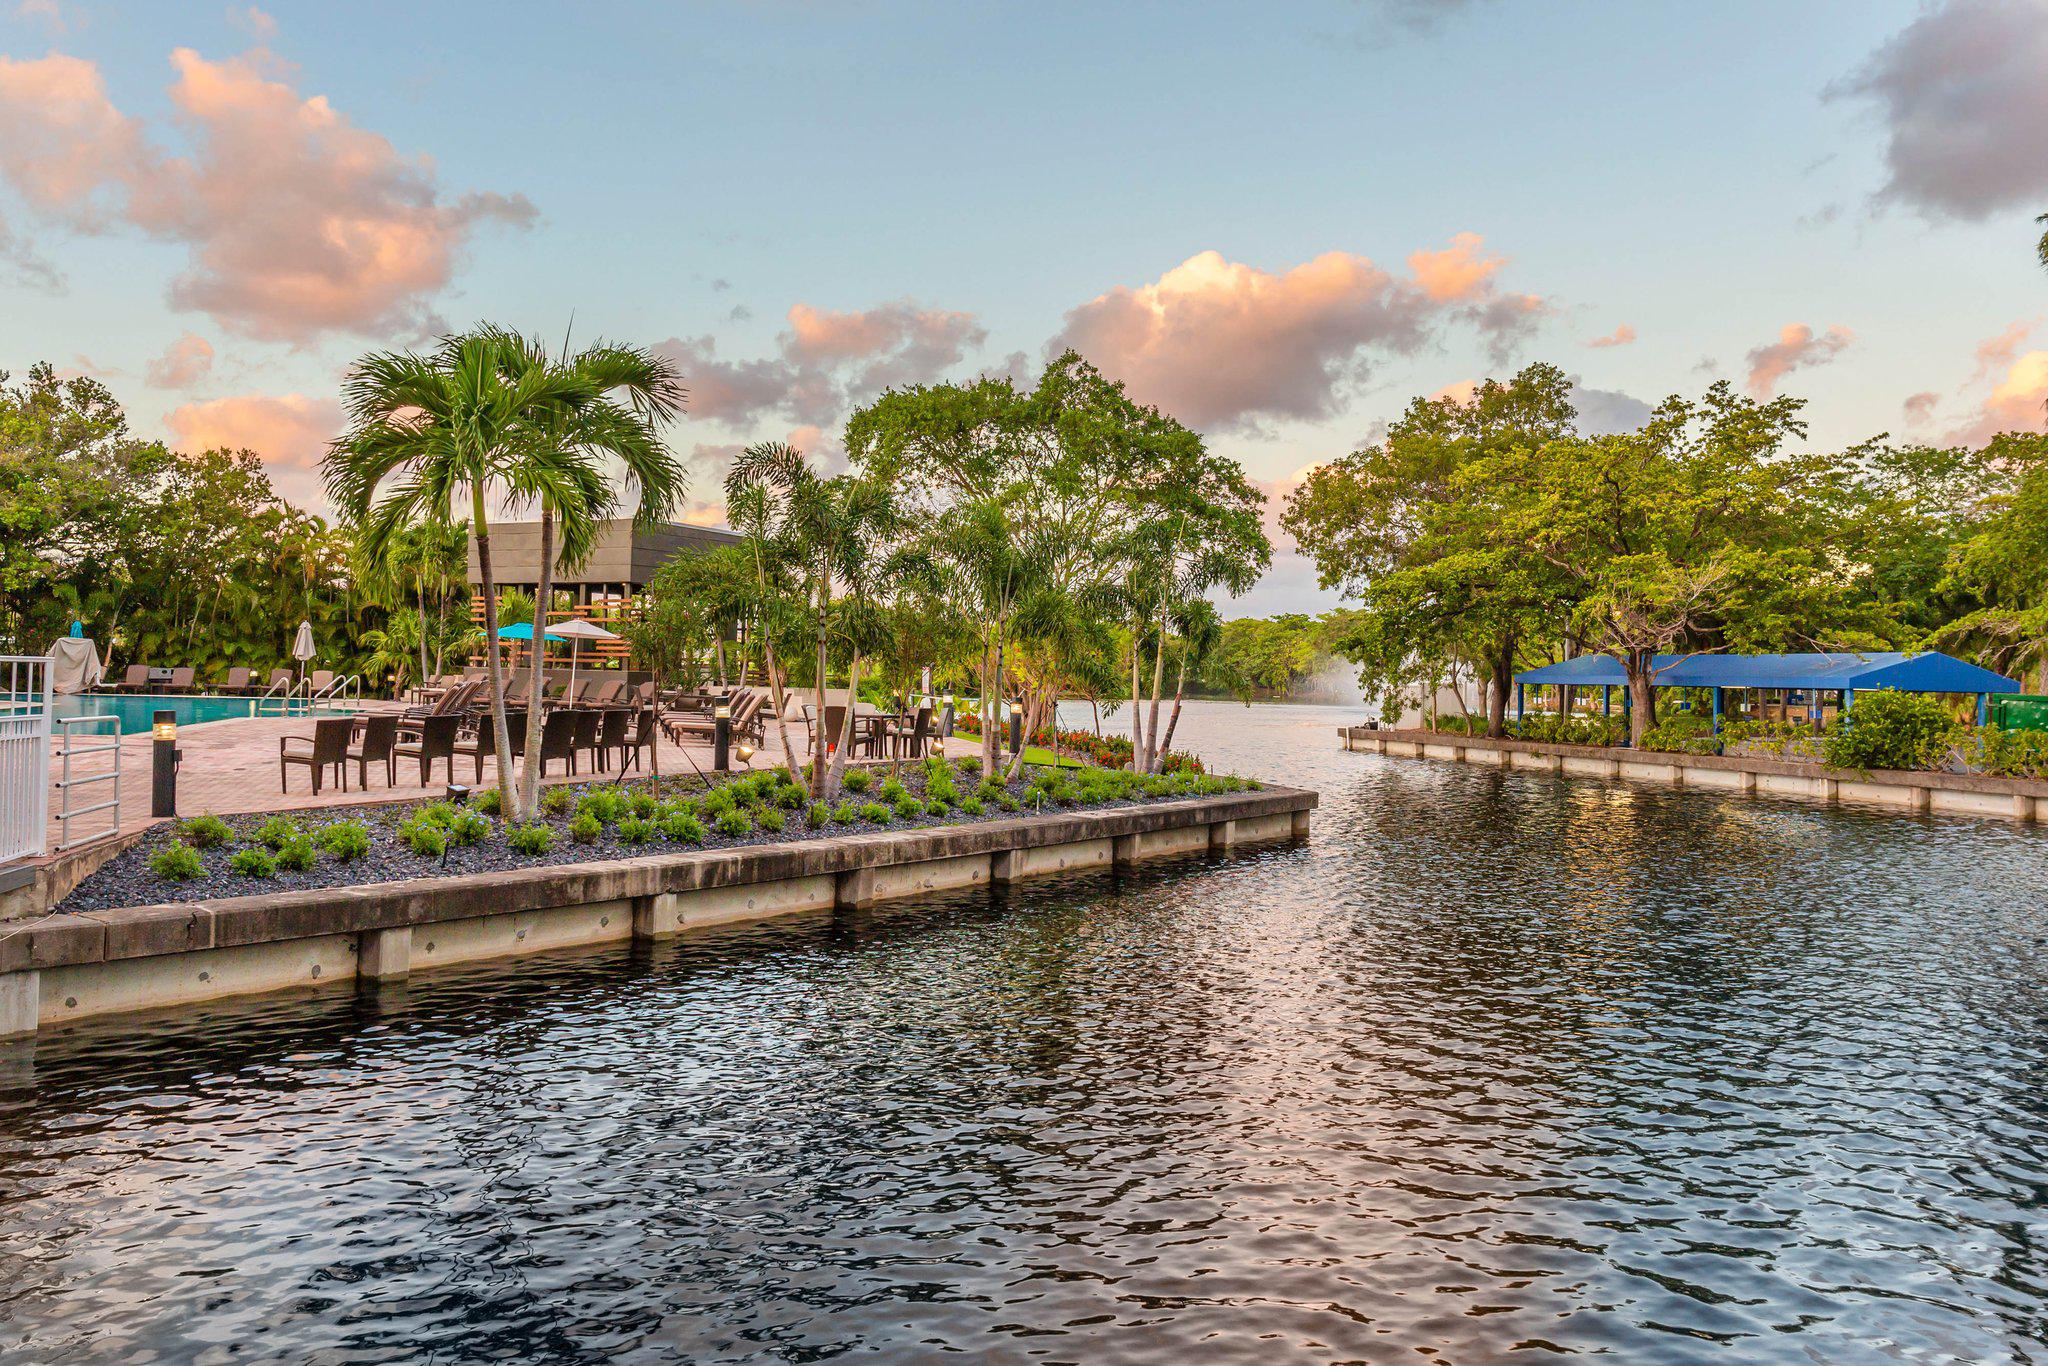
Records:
x=1812, y=674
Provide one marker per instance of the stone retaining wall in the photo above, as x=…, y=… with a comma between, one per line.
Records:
x=1958, y=794
x=71, y=966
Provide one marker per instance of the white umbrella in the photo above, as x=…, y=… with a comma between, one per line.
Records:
x=302, y=647
x=576, y=630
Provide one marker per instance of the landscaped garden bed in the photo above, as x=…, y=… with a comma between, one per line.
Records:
x=208, y=857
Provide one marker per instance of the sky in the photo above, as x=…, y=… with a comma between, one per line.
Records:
x=1279, y=223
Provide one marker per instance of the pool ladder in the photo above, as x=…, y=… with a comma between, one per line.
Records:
x=68, y=739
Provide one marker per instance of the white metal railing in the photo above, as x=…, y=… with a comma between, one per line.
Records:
x=281, y=691
x=339, y=690
x=77, y=740
x=24, y=756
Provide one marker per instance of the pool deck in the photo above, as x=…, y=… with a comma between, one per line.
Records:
x=230, y=768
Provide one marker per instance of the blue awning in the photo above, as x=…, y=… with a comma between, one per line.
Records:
x=1926, y=671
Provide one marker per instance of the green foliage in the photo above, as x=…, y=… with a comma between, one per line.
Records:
x=735, y=823
x=641, y=804
x=297, y=855
x=890, y=791
x=874, y=813
x=817, y=815
x=253, y=863
x=636, y=830
x=969, y=766
x=206, y=832
x=1776, y=739
x=857, y=780
x=936, y=807
x=790, y=797
x=770, y=819
x=973, y=807
x=846, y=813
x=605, y=805
x=177, y=863
x=1563, y=730
x=277, y=832
x=1681, y=732
x=1889, y=729
x=907, y=807
x=555, y=800
x=424, y=837
x=585, y=827
x=682, y=828
x=533, y=839
x=467, y=827
x=346, y=840
x=491, y=801
x=719, y=801
x=2005, y=753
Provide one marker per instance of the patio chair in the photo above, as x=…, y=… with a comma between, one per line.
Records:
x=432, y=738
x=612, y=735
x=133, y=679
x=908, y=742
x=326, y=748
x=238, y=681
x=182, y=679
x=588, y=723
x=865, y=742
x=380, y=734
x=483, y=744
x=558, y=740
x=642, y=738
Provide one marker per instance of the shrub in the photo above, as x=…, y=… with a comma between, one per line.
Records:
x=424, y=838
x=277, y=832
x=346, y=840
x=969, y=767
x=490, y=801
x=790, y=797
x=937, y=807
x=1780, y=739
x=586, y=827
x=606, y=806
x=531, y=839
x=298, y=855
x=1889, y=729
x=972, y=807
x=435, y=813
x=846, y=813
x=468, y=827
x=177, y=863
x=908, y=808
x=817, y=814
x=1008, y=803
x=857, y=780
x=1682, y=732
x=874, y=813
x=635, y=830
x=253, y=863
x=683, y=828
x=990, y=789
x=769, y=819
x=891, y=791
x=718, y=801
x=641, y=804
x=735, y=823
x=2007, y=753
x=206, y=832
x=555, y=800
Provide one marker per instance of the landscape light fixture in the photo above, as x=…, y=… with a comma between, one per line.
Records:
x=163, y=764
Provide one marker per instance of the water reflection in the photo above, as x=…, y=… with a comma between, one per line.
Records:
x=1496, y=1060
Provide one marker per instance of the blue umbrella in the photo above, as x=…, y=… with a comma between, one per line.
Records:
x=522, y=631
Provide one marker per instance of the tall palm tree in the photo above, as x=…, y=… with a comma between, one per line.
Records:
x=429, y=433
x=617, y=400
x=756, y=506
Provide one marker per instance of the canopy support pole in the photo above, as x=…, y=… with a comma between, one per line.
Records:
x=1518, y=703
x=1983, y=707
x=1607, y=699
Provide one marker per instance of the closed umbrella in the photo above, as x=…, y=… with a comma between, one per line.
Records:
x=302, y=647
x=576, y=631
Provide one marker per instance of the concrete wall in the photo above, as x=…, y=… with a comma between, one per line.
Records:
x=65, y=967
x=1954, y=794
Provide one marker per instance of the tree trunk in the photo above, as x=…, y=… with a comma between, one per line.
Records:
x=847, y=729
x=530, y=766
x=1137, y=713
x=1180, y=688
x=992, y=712
x=1641, y=696
x=777, y=696
x=1502, y=678
x=818, y=707
x=420, y=596
x=492, y=662
x=1032, y=712
x=1158, y=687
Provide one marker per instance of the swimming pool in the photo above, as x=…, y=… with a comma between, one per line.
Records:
x=137, y=711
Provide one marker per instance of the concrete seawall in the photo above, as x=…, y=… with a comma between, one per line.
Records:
x=1955, y=794
x=64, y=967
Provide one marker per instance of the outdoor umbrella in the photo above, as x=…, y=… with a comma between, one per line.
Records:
x=523, y=631
x=576, y=631
x=302, y=647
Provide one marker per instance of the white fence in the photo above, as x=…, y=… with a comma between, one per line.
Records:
x=24, y=755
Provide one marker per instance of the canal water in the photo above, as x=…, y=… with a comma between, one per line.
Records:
x=1494, y=1062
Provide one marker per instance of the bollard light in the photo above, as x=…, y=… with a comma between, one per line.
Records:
x=163, y=764
x=457, y=793
x=721, y=737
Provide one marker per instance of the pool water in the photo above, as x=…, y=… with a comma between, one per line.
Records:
x=136, y=713
x=1495, y=1064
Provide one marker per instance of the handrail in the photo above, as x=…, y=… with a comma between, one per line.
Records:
x=337, y=690
x=68, y=749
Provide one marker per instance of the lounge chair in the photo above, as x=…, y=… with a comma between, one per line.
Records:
x=604, y=692
x=746, y=719
x=238, y=681
x=451, y=703
x=326, y=748
x=432, y=738
x=133, y=679
x=380, y=735
x=278, y=677
x=320, y=681
x=182, y=679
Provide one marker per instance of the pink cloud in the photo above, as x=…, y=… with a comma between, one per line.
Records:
x=825, y=362
x=1218, y=343
x=183, y=364
x=1919, y=407
x=1996, y=353
x=1623, y=335
x=1459, y=392
x=289, y=432
x=2015, y=404
x=297, y=222
x=1797, y=348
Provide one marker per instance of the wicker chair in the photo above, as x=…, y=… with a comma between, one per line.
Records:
x=326, y=748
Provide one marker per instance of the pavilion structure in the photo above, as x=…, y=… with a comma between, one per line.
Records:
x=1802, y=680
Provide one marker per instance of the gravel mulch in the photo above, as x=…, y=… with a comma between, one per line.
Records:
x=127, y=879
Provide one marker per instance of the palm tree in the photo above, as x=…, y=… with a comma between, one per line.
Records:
x=616, y=400
x=757, y=505
x=428, y=433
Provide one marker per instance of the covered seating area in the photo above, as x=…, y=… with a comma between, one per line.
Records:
x=1812, y=687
